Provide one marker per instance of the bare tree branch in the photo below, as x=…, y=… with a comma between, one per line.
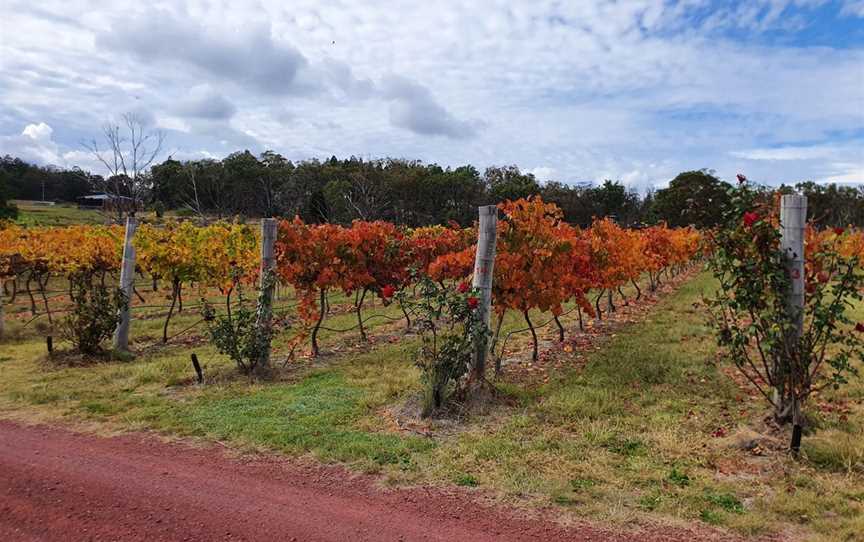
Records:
x=127, y=155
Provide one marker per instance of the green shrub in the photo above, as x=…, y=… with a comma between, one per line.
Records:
x=239, y=333
x=450, y=326
x=94, y=315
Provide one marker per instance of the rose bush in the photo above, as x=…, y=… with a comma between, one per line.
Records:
x=756, y=327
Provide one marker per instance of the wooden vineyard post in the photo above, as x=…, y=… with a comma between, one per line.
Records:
x=793, y=219
x=127, y=282
x=264, y=317
x=484, y=263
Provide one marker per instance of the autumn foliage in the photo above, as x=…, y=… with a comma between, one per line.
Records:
x=367, y=257
x=543, y=263
x=68, y=251
x=220, y=255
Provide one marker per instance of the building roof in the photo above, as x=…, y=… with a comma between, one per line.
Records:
x=103, y=197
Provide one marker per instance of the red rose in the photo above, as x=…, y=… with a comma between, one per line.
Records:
x=838, y=231
x=741, y=178
x=473, y=302
x=750, y=218
x=859, y=327
x=822, y=277
x=463, y=287
x=387, y=291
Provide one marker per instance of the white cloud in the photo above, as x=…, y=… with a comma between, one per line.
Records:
x=84, y=160
x=635, y=90
x=855, y=174
x=413, y=108
x=38, y=132
x=543, y=173
x=786, y=153
x=837, y=162
x=853, y=7
x=249, y=55
x=33, y=144
x=205, y=102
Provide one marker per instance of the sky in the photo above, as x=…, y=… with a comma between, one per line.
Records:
x=573, y=91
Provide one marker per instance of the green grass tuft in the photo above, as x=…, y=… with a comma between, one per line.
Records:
x=466, y=480
x=678, y=478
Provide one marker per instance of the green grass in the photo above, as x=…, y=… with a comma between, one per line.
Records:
x=325, y=413
x=62, y=214
x=320, y=414
x=627, y=437
x=65, y=214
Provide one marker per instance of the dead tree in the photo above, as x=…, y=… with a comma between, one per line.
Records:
x=127, y=151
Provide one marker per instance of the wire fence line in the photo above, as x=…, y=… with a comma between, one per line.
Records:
x=281, y=310
x=333, y=299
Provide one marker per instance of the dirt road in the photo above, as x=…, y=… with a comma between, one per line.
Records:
x=65, y=486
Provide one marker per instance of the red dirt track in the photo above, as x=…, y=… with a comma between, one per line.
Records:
x=65, y=486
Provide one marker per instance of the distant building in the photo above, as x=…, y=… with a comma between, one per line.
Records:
x=107, y=202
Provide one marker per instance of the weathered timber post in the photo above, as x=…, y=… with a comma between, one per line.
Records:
x=484, y=266
x=264, y=317
x=2, y=316
x=793, y=219
x=127, y=282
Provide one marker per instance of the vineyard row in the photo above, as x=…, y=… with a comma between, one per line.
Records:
x=541, y=263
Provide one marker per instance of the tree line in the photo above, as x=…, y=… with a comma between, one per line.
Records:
x=407, y=192
x=338, y=191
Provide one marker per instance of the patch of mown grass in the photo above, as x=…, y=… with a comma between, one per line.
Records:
x=317, y=414
x=328, y=413
x=57, y=215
